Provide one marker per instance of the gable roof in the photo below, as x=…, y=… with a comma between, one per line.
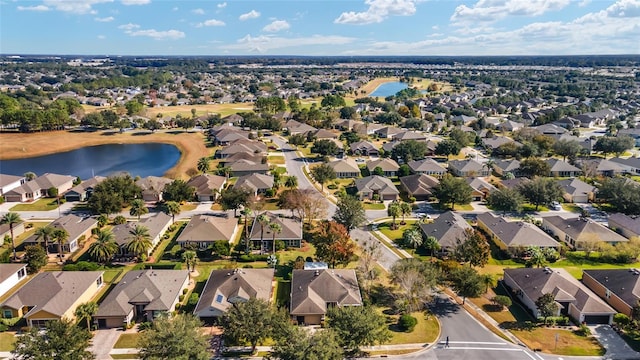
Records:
x=8, y=179
x=7, y=270
x=426, y=165
x=311, y=290
x=153, y=184
x=290, y=229
x=234, y=285
x=209, y=228
x=516, y=233
x=559, y=165
x=576, y=186
x=448, y=229
x=480, y=184
x=155, y=224
x=409, y=135
x=157, y=290
x=362, y=145
x=254, y=182
x=419, y=184
x=206, y=183
x=376, y=183
x=630, y=223
x=466, y=165
x=87, y=184
x=73, y=224
x=624, y=283
x=248, y=165
x=42, y=182
x=581, y=229
x=344, y=166
x=507, y=165
x=385, y=164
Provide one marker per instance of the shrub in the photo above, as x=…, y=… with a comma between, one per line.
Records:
x=621, y=320
x=407, y=322
x=181, y=298
x=269, y=193
x=332, y=187
x=501, y=300
x=583, y=330
x=145, y=325
x=3, y=327
x=193, y=299
x=185, y=291
x=119, y=220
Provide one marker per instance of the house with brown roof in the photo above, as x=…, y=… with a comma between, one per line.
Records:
x=226, y=287
x=502, y=167
x=345, y=168
x=322, y=134
x=620, y=288
x=514, y=235
x=141, y=295
x=152, y=187
x=10, y=182
x=388, y=166
x=481, y=188
x=203, y=230
x=387, y=132
x=576, y=232
x=53, y=295
x=157, y=225
x=561, y=168
x=375, y=186
x=468, y=168
x=574, y=299
x=419, y=186
x=77, y=227
x=294, y=127
x=290, y=232
x=83, y=191
x=628, y=226
x=602, y=167
x=409, y=135
x=255, y=183
x=313, y=292
x=577, y=191
x=363, y=148
x=225, y=135
x=448, y=228
x=10, y=276
x=427, y=166
x=38, y=187
x=207, y=186
x=248, y=167
x=242, y=146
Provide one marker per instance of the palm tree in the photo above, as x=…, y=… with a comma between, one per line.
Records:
x=263, y=219
x=29, y=175
x=203, y=165
x=431, y=243
x=291, y=182
x=405, y=209
x=139, y=241
x=172, y=208
x=138, y=208
x=86, y=311
x=11, y=218
x=103, y=220
x=489, y=164
x=275, y=229
x=393, y=210
x=103, y=249
x=46, y=234
x=412, y=238
x=538, y=257
x=60, y=236
x=246, y=212
x=190, y=258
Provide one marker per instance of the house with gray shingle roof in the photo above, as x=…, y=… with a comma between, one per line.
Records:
x=419, y=186
x=577, y=191
x=203, y=230
x=38, y=187
x=152, y=187
x=620, y=288
x=502, y=167
x=468, y=168
x=388, y=166
x=156, y=224
x=141, y=295
x=409, y=135
x=248, y=167
x=10, y=182
x=574, y=298
x=514, y=235
x=376, y=186
x=577, y=231
x=628, y=226
x=560, y=168
x=10, y=276
x=345, y=168
x=226, y=287
x=427, y=166
x=364, y=148
x=630, y=165
x=448, y=228
x=255, y=183
x=83, y=191
x=481, y=188
x=314, y=291
x=290, y=232
x=78, y=228
x=207, y=186
x=601, y=167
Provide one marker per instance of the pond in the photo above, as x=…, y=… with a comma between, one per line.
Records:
x=150, y=159
x=389, y=88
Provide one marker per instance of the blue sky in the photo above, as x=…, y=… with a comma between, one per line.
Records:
x=308, y=27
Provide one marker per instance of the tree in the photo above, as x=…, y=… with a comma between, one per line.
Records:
x=617, y=145
x=203, y=165
x=138, y=208
x=171, y=208
x=29, y=175
x=453, y=190
x=233, y=199
x=324, y=147
x=349, y=212
x=333, y=243
x=46, y=234
x=377, y=171
x=114, y=193
x=502, y=300
x=504, y=200
x=139, y=241
x=270, y=105
x=567, y=148
x=301, y=344
x=190, y=258
x=103, y=249
x=177, y=337
x=532, y=167
x=61, y=339
x=11, y=218
x=36, y=258
x=332, y=101
x=178, y=191
x=394, y=211
x=416, y=281
x=405, y=209
x=291, y=182
x=473, y=249
x=275, y=229
x=409, y=150
x=462, y=137
x=370, y=252
x=466, y=282
x=357, y=326
x=547, y=306
x=431, y=243
x=447, y=148
x=323, y=173
x=248, y=321
x=246, y=212
x=541, y=191
x=60, y=236
x=621, y=194
x=86, y=311
x=537, y=256
x=489, y=281
x=412, y=238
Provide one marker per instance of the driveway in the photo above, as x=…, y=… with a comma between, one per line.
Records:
x=103, y=341
x=616, y=347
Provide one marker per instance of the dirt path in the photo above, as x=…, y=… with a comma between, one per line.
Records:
x=191, y=145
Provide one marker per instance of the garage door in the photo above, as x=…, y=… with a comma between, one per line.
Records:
x=596, y=319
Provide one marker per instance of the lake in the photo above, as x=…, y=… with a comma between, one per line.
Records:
x=389, y=88
x=150, y=159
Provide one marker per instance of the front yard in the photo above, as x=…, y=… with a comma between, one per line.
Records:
x=45, y=204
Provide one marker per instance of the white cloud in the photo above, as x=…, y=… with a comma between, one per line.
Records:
x=211, y=22
x=159, y=35
x=222, y=5
x=198, y=11
x=75, y=6
x=584, y=3
x=135, y=2
x=378, y=11
x=435, y=27
x=625, y=8
x=494, y=10
x=101, y=37
x=105, y=19
x=277, y=25
x=265, y=43
x=250, y=15
x=34, y=8
x=129, y=27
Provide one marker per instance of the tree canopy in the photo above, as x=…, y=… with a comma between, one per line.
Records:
x=333, y=243
x=357, y=326
x=349, y=212
x=61, y=339
x=114, y=193
x=453, y=190
x=177, y=337
x=541, y=191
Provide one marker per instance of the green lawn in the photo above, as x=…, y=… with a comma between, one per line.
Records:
x=282, y=293
x=6, y=341
x=572, y=207
x=276, y=160
x=426, y=331
x=569, y=343
x=526, y=207
x=396, y=234
x=38, y=205
x=373, y=206
x=127, y=341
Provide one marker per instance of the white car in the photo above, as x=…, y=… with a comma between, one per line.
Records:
x=556, y=205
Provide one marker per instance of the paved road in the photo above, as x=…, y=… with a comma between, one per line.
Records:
x=386, y=257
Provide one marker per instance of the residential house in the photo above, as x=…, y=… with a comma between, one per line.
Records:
x=427, y=167
x=448, y=228
x=409, y=135
x=387, y=132
x=468, y=168
x=628, y=226
x=560, y=168
x=620, y=288
x=313, y=292
x=226, y=287
x=255, y=183
x=5, y=230
x=630, y=165
x=10, y=276
x=364, y=148
x=323, y=134
x=577, y=232
x=550, y=129
x=83, y=191
x=577, y=191
x=388, y=166
x=602, y=167
x=345, y=168
x=78, y=228
x=156, y=224
x=261, y=235
x=248, y=156
x=481, y=188
x=514, y=235
x=294, y=127
x=419, y=186
x=376, y=187
x=203, y=230
x=242, y=146
x=513, y=184
x=152, y=187
x=207, y=187
x=494, y=142
x=509, y=126
x=10, y=182
x=634, y=133
x=38, y=187
x=347, y=124
x=501, y=167
x=225, y=135
x=52, y=295
x=574, y=298
x=247, y=167
x=141, y=295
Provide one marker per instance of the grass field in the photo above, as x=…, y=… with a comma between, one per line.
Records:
x=6, y=341
x=395, y=234
x=373, y=206
x=276, y=160
x=45, y=204
x=426, y=331
x=569, y=343
x=127, y=341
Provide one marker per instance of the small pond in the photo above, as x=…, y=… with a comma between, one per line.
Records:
x=388, y=89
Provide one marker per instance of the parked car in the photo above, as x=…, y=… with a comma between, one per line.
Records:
x=556, y=205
